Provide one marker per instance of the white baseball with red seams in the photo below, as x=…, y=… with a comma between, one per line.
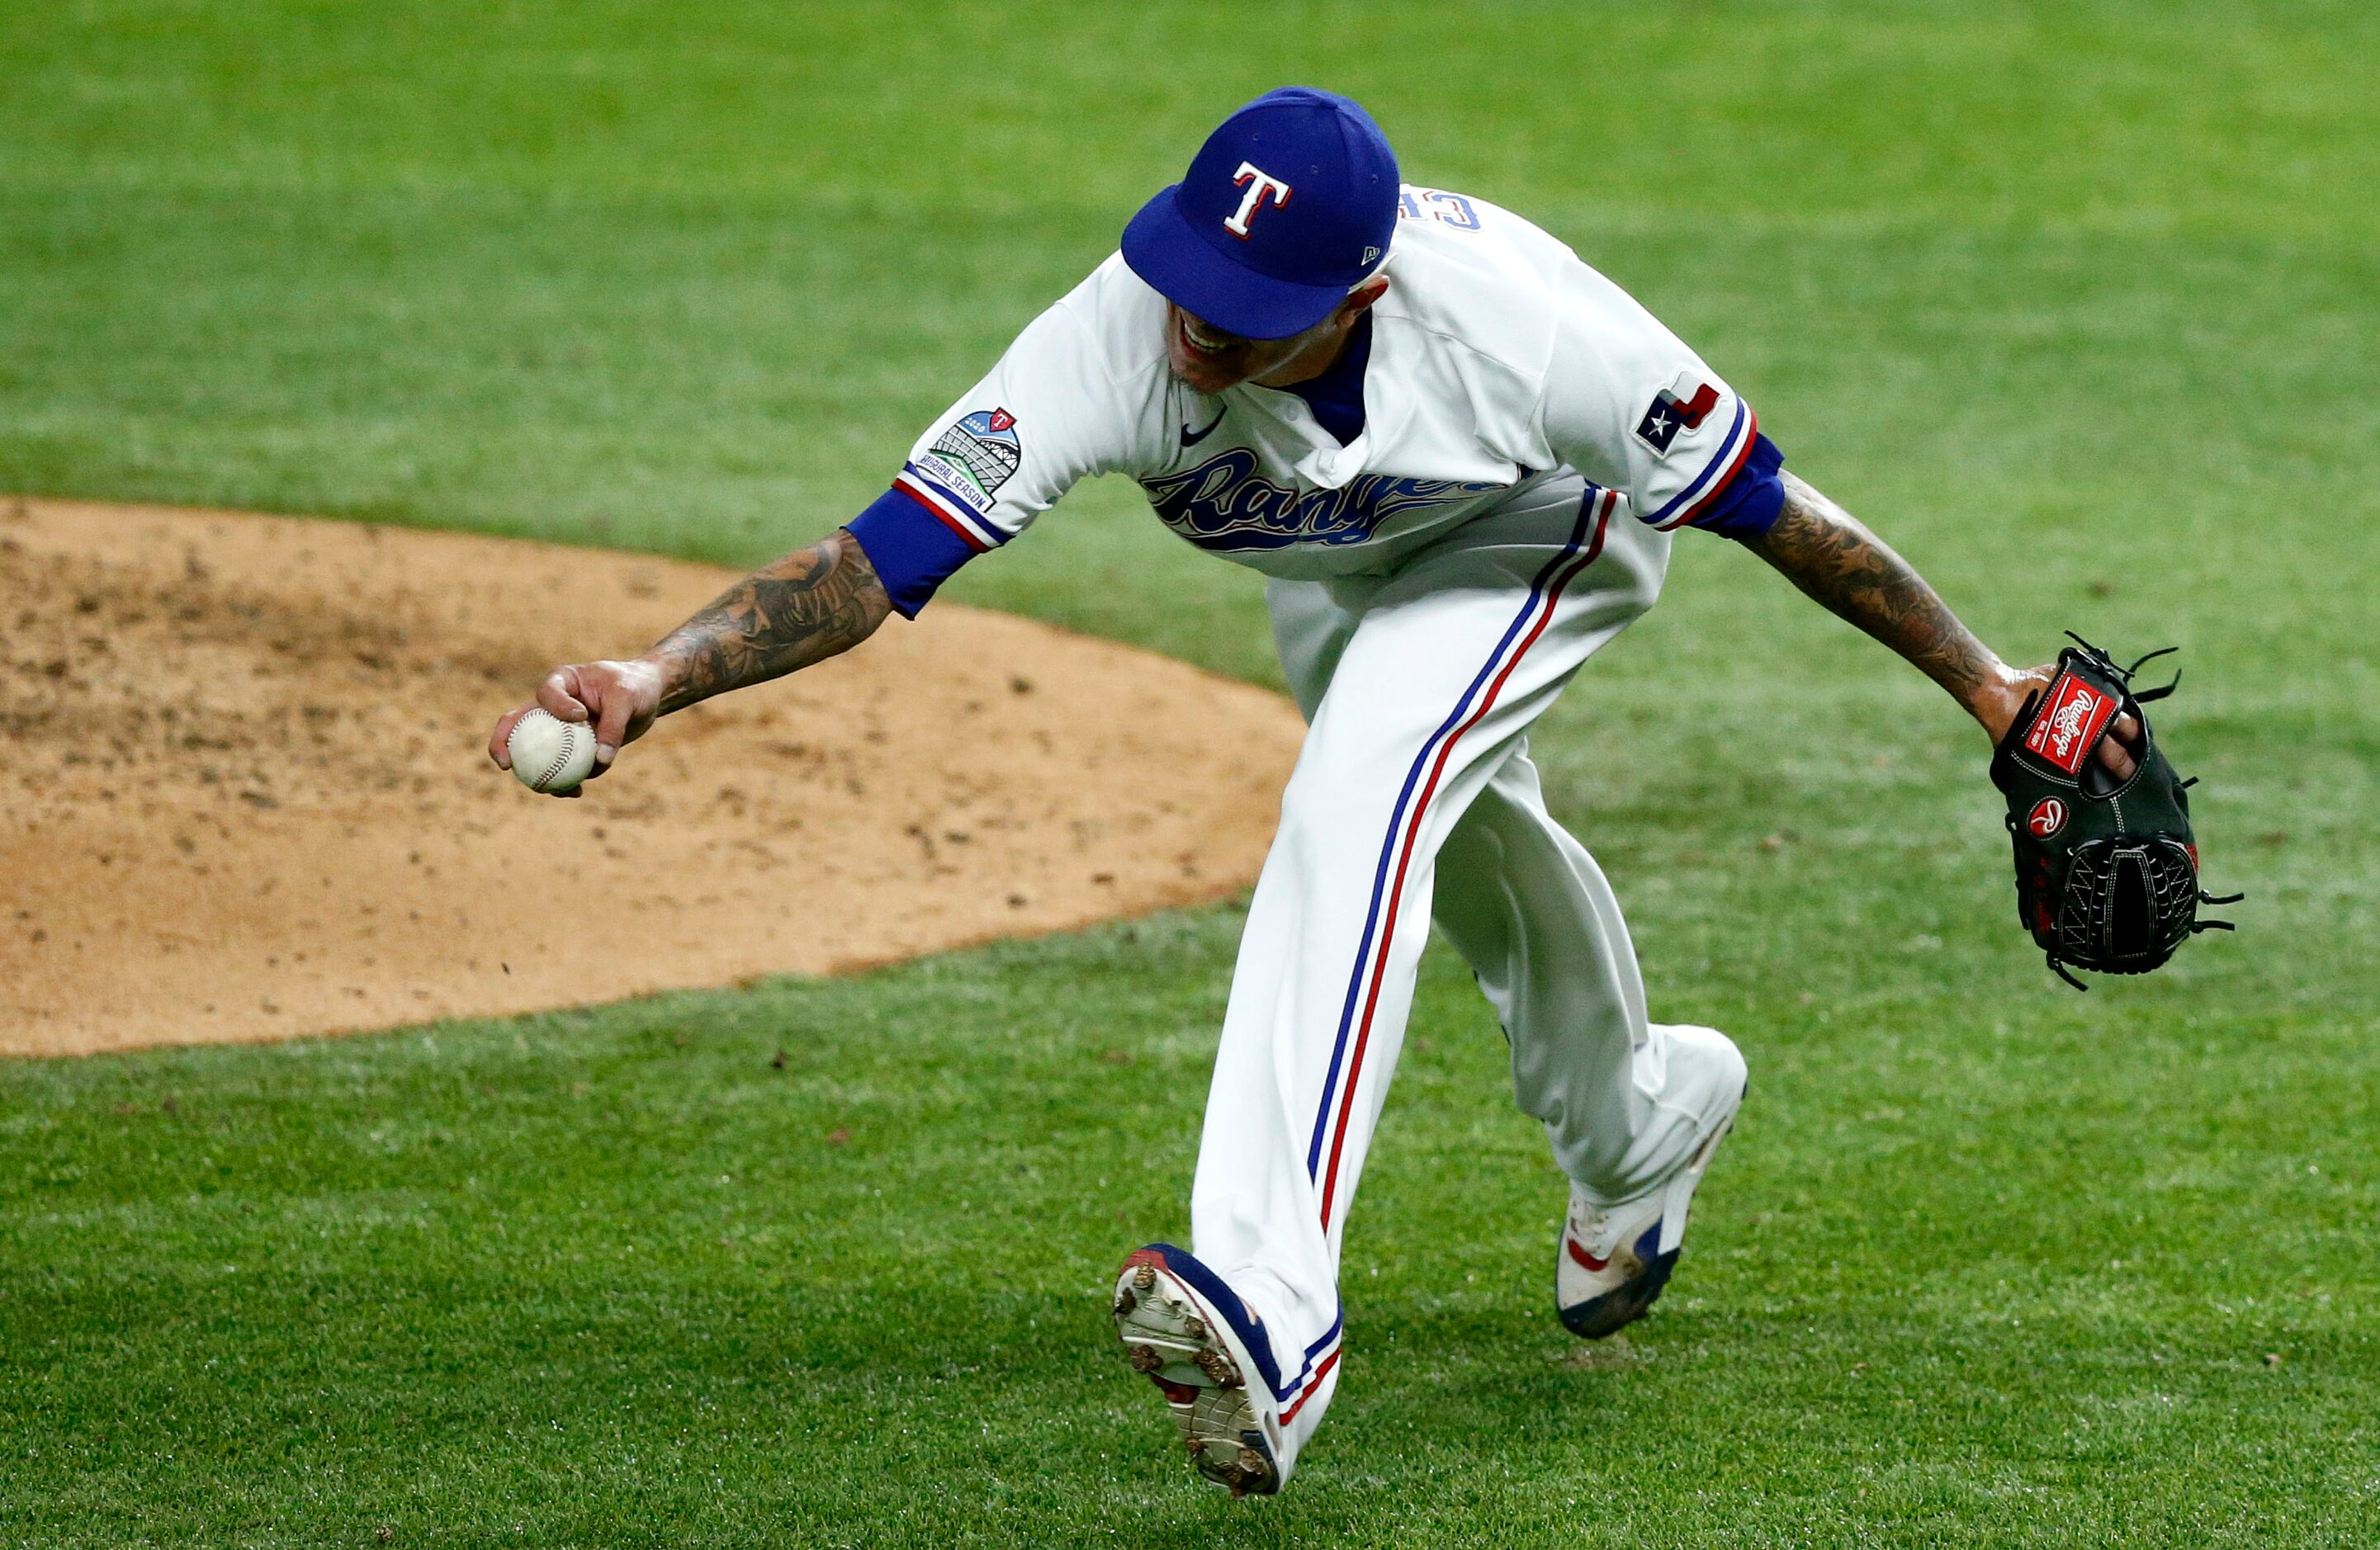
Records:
x=549, y=754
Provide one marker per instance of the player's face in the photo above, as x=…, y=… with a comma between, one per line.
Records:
x=1208, y=359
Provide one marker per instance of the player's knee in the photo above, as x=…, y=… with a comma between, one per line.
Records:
x=1333, y=806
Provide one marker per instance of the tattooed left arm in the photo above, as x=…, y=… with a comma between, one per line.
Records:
x=1830, y=554
x=814, y=603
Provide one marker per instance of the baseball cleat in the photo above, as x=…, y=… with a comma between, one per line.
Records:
x=1614, y=1260
x=1185, y=1330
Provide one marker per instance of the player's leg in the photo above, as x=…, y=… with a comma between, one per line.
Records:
x=1433, y=673
x=1633, y=1108
x=1312, y=621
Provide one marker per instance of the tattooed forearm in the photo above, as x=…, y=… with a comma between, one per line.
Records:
x=808, y=605
x=1829, y=554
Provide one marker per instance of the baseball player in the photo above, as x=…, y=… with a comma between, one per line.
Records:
x=1459, y=455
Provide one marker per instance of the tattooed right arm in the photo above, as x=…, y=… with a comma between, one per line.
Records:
x=1830, y=555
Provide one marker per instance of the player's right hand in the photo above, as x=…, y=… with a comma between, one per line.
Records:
x=620, y=698
x=2117, y=752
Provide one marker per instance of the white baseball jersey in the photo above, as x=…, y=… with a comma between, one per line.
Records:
x=1497, y=360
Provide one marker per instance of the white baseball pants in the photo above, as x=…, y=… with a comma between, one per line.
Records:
x=1413, y=795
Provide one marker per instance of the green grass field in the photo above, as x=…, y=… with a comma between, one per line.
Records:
x=2075, y=302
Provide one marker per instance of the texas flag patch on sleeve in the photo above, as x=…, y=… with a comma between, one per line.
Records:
x=2068, y=721
x=1682, y=405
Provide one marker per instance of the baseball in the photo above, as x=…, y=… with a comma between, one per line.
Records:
x=550, y=753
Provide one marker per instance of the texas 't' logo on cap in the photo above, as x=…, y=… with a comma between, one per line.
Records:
x=1261, y=185
x=1288, y=205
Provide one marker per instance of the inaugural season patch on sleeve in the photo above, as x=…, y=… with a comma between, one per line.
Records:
x=975, y=456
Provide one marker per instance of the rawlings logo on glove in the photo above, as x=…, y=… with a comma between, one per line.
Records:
x=2073, y=715
x=2106, y=869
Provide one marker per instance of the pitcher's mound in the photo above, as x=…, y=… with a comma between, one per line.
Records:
x=248, y=797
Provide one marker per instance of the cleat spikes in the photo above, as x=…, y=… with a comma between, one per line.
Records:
x=1218, y=1368
x=1196, y=1360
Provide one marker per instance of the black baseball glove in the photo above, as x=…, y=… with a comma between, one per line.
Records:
x=2106, y=869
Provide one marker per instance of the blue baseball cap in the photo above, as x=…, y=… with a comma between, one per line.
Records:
x=1284, y=209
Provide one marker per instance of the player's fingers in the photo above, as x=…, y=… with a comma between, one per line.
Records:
x=2115, y=751
x=560, y=695
x=612, y=724
x=500, y=742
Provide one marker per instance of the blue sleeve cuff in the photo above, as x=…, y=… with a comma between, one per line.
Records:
x=1749, y=503
x=914, y=551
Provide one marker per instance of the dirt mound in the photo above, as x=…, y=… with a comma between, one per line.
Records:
x=246, y=796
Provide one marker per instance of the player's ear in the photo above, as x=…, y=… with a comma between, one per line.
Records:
x=1361, y=299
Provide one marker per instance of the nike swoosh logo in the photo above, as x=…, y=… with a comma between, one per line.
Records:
x=1588, y=1260
x=1192, y=438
